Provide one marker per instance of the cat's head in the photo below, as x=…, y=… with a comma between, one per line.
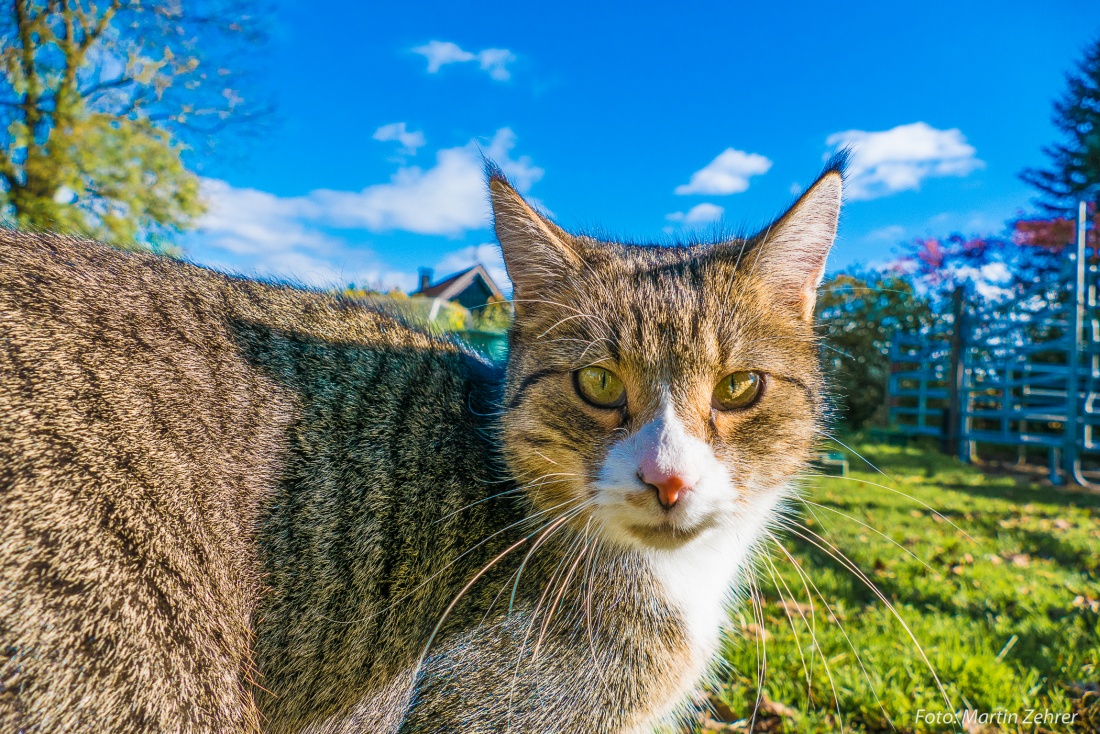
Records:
x=656, y=395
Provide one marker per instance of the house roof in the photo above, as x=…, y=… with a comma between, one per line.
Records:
x=451, y=286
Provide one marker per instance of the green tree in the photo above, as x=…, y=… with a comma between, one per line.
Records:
x=101, y=99
x=857, y=316
x=1074, y=171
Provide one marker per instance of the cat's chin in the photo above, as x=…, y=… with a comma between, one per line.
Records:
x=666, y=535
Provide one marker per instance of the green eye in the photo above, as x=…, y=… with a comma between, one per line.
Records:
x=738, y=391
x=599, y=387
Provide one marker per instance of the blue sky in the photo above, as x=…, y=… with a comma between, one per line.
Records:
x=645, y=124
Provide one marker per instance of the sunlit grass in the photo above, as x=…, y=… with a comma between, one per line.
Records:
x=1007, y=617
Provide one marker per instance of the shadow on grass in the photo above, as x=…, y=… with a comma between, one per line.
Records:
x=1028, y=494
x=940, y=469
x=1039, y=545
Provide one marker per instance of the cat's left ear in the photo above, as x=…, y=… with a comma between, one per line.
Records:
x=789, y=255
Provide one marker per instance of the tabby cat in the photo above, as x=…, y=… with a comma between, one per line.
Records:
x=231, y=506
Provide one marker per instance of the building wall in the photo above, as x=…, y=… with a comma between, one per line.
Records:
x=476, y=295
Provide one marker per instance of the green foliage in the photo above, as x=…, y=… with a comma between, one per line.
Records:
x=494, y=316
x=435, y=315
x=99, y=102
x=363, y=292
x=857, y=316
x=131, y=175
x=451, y=316
x=1007, y=609
x=1074, y=171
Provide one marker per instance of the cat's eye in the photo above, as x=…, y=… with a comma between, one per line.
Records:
x=737, y=391
x=599, y=387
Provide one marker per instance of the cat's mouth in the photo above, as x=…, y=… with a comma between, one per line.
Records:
x=668, y=535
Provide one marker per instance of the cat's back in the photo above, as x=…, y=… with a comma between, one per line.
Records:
x=140, y=443
x=110, y=360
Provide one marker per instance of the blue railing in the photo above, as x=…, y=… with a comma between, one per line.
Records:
x=1025, y=373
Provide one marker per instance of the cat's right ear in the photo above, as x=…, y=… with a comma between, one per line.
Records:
x=539, y=255
x=789, y=254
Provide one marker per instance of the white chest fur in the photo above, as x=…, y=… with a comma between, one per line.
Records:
x=703, y=578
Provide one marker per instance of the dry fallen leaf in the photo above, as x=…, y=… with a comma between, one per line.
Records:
x=795, y=608
x=769, y=717
x=755, y=630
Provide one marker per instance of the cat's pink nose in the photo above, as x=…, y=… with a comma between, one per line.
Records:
x=670, y=486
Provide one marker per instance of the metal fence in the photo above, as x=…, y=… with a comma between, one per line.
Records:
x=1023, y=374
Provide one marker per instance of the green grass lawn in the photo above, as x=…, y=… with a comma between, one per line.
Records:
x=997, y=578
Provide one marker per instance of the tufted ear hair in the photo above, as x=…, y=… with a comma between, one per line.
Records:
x=790, y=253
x=539, y=255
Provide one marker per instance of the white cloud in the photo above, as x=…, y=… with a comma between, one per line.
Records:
x=487, y=254
x=290, y=237
x=522, y=172
x=441, y=53
x=729, y=173
x=448, y=198
x=493, y=61
x=318, y=272
x=258, y=233
x=410, y=140
x=252, y=222
x=890, y=233
x=699, y=214
x=898, y=159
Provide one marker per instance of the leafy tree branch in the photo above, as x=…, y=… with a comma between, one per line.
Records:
x=100, y=102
